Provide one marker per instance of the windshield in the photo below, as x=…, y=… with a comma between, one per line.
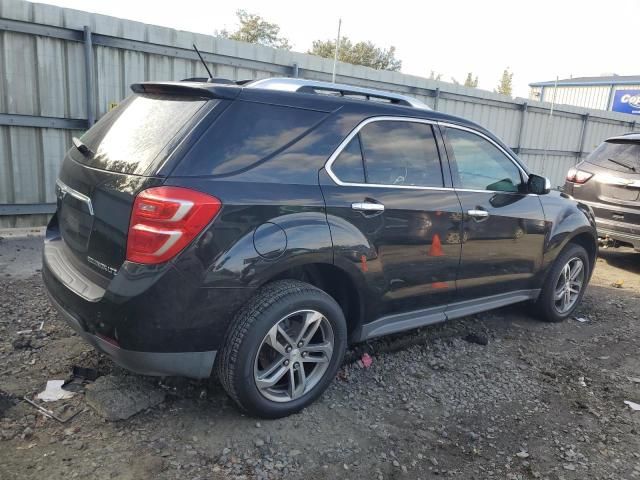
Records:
x=617, y=156
x=132, y=137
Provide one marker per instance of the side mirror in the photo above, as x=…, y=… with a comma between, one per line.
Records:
x=538, y=185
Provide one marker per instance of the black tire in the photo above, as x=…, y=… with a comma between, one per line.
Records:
x=546, y=305
x=235, y=363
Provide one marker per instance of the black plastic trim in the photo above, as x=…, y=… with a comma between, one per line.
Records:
x=420, y=318
x=184, y=364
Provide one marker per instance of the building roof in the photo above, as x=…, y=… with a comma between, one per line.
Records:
x=585, y=81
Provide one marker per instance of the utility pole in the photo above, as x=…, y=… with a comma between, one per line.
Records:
x=335, y=55
x=547, y=133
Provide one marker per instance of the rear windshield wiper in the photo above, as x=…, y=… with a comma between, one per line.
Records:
x=622, y=164
x=82, y=148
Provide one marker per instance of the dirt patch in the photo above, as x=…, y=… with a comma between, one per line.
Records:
x=498, y=395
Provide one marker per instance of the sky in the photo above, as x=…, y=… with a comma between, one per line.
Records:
x=537, y=40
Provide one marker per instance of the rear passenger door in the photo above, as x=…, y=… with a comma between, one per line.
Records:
x=394, y=216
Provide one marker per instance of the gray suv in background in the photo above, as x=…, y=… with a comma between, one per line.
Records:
x=609, y=181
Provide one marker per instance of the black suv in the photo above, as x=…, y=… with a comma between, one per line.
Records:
x=258, y=229
x=608, y=180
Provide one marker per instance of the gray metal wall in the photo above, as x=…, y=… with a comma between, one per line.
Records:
x=59, y=68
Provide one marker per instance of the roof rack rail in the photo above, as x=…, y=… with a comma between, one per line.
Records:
x=220, y=80
x=350, y=91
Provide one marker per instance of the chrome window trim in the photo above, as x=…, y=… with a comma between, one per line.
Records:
x=336, y=153
x=354, y=132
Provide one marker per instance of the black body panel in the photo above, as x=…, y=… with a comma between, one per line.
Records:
x=407, y=255
x=503, y=251
x=103, y=235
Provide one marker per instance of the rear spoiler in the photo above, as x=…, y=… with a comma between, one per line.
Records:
x=631, y=137
x=191, y=89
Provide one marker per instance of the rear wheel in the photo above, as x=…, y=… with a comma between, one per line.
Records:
x=283, y=349
x=565, y=284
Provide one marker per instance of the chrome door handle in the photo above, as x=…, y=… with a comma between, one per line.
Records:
x=478, y=213
x=367, y=207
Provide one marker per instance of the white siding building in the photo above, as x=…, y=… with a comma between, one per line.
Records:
x=615, y=93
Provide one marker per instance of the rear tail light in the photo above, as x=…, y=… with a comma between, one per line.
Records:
x=165, y=220
x=578, y=176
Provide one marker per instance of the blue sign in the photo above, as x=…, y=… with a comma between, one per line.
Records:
x=626, y=101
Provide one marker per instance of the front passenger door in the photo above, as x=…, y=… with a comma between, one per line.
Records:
x=503, y=225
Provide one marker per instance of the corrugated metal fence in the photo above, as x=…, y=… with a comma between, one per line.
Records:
x=60, y=69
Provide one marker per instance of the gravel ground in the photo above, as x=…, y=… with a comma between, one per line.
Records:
x=498, y=395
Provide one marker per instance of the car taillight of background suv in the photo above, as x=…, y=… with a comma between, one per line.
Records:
x=608, y=180
x=255, y=230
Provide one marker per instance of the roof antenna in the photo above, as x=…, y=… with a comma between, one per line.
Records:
x=203, y=62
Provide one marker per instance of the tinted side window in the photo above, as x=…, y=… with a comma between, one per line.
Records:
x=246, y=133
x=348, y=166
x=481, y=165
x=401, y=153
x=625, y=152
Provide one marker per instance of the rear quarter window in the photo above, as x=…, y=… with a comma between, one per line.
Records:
x=131, y=137
x=244, y=134
x=349, y=166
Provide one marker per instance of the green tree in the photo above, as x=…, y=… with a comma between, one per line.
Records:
x=361, y=53
x=255, y=29
x=505, y=86
x=435, y=76
x=471, y=81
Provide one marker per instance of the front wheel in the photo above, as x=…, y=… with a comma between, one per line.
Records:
x=283, y=349
x=565, y=285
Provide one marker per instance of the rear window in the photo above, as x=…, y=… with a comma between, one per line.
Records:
x=247, y=133
x=626, y=154
x=131, y=138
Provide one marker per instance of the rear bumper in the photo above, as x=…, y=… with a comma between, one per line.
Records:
x=186, y=364
x=626, y=230
x=155, y=320
x=606, y=231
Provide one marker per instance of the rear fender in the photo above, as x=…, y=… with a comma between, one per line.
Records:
x=280, y=244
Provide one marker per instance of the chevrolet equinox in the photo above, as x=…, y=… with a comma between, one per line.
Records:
x=256, y=230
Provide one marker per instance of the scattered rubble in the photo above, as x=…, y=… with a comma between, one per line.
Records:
x=54, y=392
x=478, y=338
x=21, y=342
x=632, y=405
x=121, y=397
x=365, y=361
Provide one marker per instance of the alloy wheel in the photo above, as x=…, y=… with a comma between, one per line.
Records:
x=569, y=285
x=293, y=356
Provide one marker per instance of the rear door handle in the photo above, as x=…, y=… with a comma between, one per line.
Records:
x=367, y=207
x=478, y=213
